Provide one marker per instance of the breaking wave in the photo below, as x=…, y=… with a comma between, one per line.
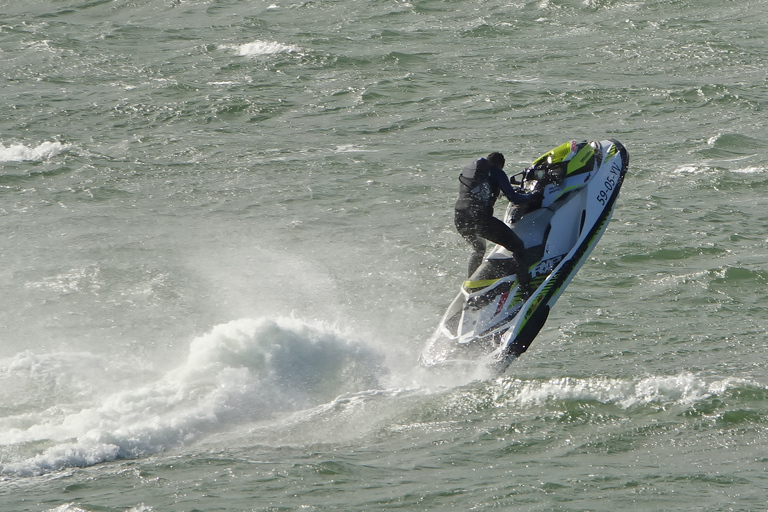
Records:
x=315, y=380
x=257, y=48
x=241, y=371
x=21, y=153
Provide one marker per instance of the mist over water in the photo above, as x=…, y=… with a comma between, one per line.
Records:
x=227, y=236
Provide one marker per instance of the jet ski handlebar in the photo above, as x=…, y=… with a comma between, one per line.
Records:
x=539, y=176
x=546, y=173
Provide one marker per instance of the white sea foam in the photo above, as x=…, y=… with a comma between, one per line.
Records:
x=352, y=148
x=68, y=507
x=257, y=48
x=691, y=169
x=750, y=170
x=72, y=507
x=703, y=169
x=241, y=371
x=683, y=389
x=20, y=152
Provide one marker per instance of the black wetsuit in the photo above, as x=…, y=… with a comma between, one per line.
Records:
x=480, y=185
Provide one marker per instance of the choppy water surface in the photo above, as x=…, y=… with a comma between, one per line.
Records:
x=228, y=234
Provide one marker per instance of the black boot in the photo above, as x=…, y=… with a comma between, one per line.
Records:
x=523, y=278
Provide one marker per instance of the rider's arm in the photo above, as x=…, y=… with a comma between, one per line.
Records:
x=506, y=188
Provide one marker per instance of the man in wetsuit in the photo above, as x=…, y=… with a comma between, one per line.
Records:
x=480, y=184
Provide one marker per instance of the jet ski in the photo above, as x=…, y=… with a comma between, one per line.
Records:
x=491, y=318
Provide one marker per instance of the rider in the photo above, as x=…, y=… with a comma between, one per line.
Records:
x=479, y=187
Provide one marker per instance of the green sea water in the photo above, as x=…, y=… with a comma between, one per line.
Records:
x=228, y=234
